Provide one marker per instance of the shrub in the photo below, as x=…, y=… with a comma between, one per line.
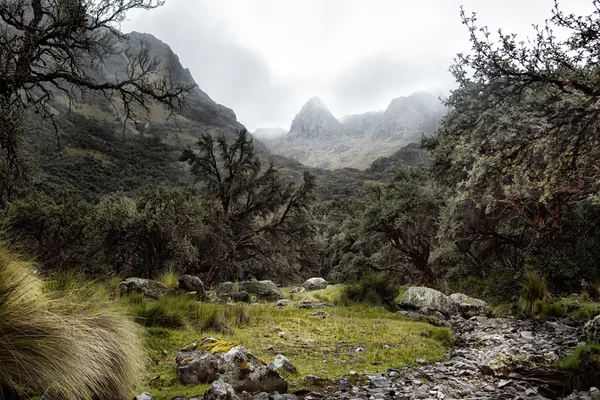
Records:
x=65, y=344
x=533, y=288
x=371, y=289
x=545, y=309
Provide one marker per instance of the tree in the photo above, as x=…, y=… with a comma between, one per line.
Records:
x=402, y=220
x=256, y=205
x=56, y=46
x=521, y=138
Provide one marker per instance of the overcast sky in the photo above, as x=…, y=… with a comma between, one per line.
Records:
x=265, y=58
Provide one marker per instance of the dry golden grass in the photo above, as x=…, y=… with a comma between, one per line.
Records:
x=72, y=344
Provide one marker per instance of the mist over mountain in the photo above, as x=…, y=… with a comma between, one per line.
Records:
x=317, y=139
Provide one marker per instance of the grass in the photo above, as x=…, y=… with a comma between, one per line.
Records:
x=533, y=289
x=330, y=295
x=316, y=346
x=583, y=366
x=169, y=278
x=375, y=290
x=63, y=340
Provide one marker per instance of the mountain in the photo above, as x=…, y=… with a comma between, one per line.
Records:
x=314, y=121
x=317, y=139
x=98, y=153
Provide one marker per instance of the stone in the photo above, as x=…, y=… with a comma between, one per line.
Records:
x=379, y=382
x=241, y=297
x=420, y=297
x=191, y=283
x=224, y=289
x=313, y=379
x=315, y=284
x=530, y=392
x=297, y=289
x=281, y=362
x=266, y=290
x=208, y=359
x=147, y=287
x=469, y=306
x=219, y=390
x=143, y=396
x=282, y=303
x=591, y=330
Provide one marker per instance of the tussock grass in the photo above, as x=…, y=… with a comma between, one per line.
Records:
x=169, y=278
x=533, y=289
x=371, y=289
x=63, y=343
x=582, y=366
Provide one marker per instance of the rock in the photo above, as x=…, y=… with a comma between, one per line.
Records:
x=241, y=297
x=147, y=287
x=309, y=304
x=469, y=306
x=591, y=330
x=224, y=289
x=379, y=382
x=282, y=303
x=219, y=390
x=419, y=297
x=191, y=283
x=313, y=380
x=315, y=284
x=143, y=396
x=263, y=289
x=297, y=289
x=530, y=392
x=209, y=359
x=594, y=393
x=281, y=362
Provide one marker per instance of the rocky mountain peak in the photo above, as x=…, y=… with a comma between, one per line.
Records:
x=314, y=121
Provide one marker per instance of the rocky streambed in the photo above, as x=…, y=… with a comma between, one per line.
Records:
x=493, y=358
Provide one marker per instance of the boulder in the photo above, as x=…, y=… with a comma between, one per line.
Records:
x=219, y=390
x=591, y=330
x=281, y=362
x=191, y=283
x=224, y=289
x=469, y=306
x=209, y=359
x=241, y=297
x=147, y=287
x=427, y=299
x=266, y=290
x=315, y=284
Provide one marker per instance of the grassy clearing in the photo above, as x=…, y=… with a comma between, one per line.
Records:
x=317, y=346
x=330, y=295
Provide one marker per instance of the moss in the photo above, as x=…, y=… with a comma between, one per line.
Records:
x=217, y=346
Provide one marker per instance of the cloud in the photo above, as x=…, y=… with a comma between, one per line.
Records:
x=265, y=58
x=374, y=80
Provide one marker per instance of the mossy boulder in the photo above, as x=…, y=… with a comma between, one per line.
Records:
x=265, y=290
x=191, y=283
x=209, y=359
x=591, y=330
x=428, y=300
x=147, y=287
x=469, y=306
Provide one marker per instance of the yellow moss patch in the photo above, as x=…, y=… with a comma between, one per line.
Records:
x=218, y=346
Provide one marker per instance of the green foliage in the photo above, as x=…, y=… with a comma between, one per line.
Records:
x=68, y=344
x=533, y=289
x=499, y=286
x=582, y=366
x=549, y=309
x=371, y=289
x=261, y=214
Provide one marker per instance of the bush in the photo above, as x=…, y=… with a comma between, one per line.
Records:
x=65, y=344
x=371, y=289
x=501, y=286
x=533, y=289
x=582, y=366
x=545, y=309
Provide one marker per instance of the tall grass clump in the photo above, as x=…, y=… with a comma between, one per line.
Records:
x=169, y=278
x=533, y=289
x=582, y=366
x=371, y=289
x=63, y=344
